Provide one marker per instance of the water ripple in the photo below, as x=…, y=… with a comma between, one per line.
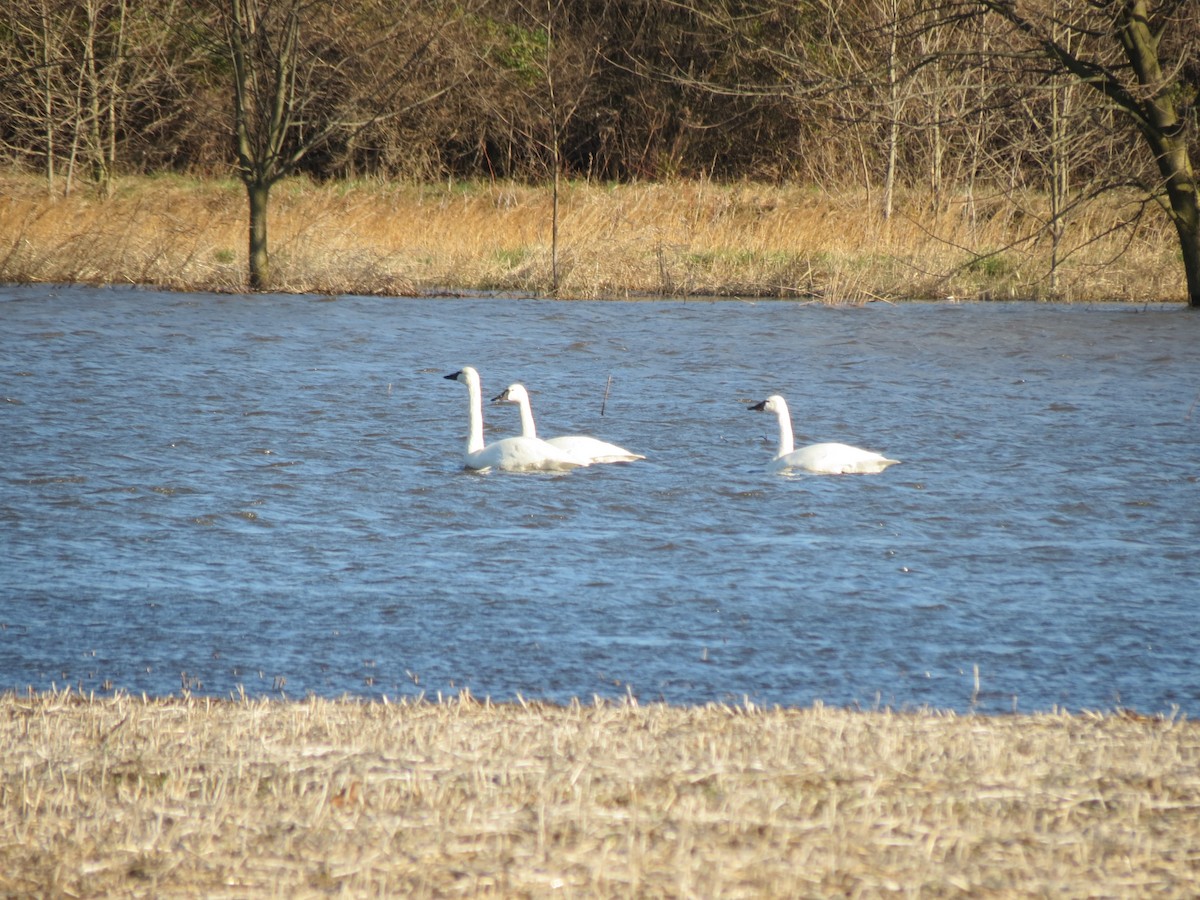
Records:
x=196, y=496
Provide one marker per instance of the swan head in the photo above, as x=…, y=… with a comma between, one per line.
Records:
x=774, y=404
x=467, y=375
x=514, y=393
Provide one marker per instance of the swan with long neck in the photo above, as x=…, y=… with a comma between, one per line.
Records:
x=515, y=454
x=590, y=448
x=823, y=459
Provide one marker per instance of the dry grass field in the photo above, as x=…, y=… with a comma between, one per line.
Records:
x=192, y=797
x=616, y=241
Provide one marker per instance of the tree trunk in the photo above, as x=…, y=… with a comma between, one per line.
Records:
x=889, y=181
x=1164, y=131
x=48, y=105
x=554, y=229
x=1154, y=104
x=1183, y=201
x=1188, y=228
x=257, y=192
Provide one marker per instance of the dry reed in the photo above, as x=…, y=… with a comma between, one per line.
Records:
x=248, y=798
x=677, y=239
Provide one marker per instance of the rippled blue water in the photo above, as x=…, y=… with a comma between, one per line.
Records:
x=265, y=493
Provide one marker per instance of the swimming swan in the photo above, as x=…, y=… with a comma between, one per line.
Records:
x=824, y=459
x=515, y=454
x=590, y=448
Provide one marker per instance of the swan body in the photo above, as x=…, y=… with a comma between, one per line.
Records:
x=515, y=454
x=823, y=459
x=590, y=448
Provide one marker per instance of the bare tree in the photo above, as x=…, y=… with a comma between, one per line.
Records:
x=101, y=85
x=554, y=74
x=1141, y=58
x=307, y=71
x=50, y=47
x=82, y=82
x=863, y=64
x=848, y=71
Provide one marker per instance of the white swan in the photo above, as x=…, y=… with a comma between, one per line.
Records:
x=590, y=448
x=515, y=454
x=824, y=459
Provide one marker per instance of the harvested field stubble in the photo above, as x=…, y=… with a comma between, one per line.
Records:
x=191, y=797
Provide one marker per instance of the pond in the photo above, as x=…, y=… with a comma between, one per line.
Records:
x=265, y=494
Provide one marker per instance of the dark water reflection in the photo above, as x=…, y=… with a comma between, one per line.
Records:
x=266, y=493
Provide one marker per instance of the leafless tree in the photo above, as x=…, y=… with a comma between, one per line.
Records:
x=50, y=48
x=554, y=72
x=83, y=83
x=305, y=72
x=1140, y=56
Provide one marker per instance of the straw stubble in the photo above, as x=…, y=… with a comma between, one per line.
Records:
x=190, y=796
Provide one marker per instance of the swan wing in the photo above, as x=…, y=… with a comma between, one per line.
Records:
x=521, y=454
x=833, y=459
x=593, y=449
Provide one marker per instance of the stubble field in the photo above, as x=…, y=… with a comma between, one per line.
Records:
x=199, y=797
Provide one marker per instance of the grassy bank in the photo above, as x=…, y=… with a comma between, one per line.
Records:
x=677, y=239
x=192, y=797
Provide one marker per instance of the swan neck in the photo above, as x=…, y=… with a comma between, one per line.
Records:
x=786, y=444
x=528, y=429
x=475, y=431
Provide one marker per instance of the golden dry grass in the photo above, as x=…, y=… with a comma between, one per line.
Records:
x=685, y=238
x=241, y=798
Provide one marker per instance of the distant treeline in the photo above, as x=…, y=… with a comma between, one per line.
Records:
x=920, y=94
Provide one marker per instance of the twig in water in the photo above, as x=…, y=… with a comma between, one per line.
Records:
x=607, y=388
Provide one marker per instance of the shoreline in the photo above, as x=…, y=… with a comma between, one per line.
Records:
x=189, y=796
x=688, y=239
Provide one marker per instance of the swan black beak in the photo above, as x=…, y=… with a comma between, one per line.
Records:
x=453, y=376
x=759, y=407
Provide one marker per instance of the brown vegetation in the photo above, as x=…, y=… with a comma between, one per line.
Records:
x=682, y=238
x=843, y=93
x=947, y=138
x=195, y=797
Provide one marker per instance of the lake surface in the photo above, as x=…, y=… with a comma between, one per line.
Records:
x=226, y=493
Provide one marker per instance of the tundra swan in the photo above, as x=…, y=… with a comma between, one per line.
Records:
x=515, y=454
x=824, y=459
x=590, y=448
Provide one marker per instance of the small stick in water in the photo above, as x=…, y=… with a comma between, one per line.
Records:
x=607, y=388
